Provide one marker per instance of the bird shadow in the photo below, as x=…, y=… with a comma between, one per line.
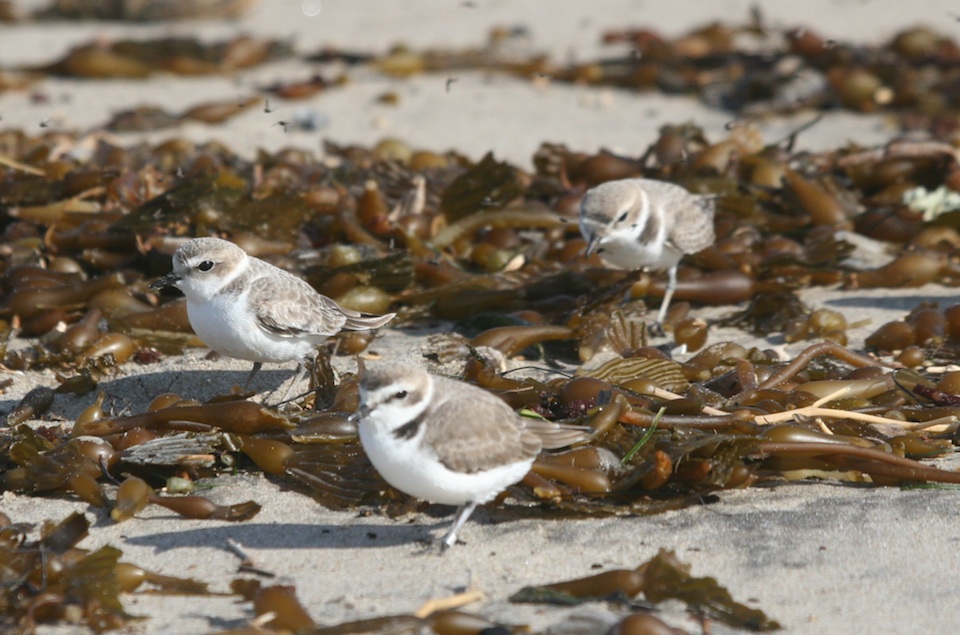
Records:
x=195, y=384
x=891, y=301
x=132, y=394
x=288, y=536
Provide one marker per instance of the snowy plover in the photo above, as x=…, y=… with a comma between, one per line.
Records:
x=637, y=223
x=243, y=307
x=446, y=441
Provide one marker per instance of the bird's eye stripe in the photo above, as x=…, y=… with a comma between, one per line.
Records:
x=400, y=394
x=622, y=217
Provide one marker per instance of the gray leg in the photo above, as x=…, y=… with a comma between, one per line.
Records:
x=301, y=373
x=463, y=513
x=667, y=296
x=322, y=376
x=253, y=371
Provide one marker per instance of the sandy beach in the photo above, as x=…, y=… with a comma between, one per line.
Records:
x=817, y=556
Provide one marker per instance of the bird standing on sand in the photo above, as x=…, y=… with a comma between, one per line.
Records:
x=243, y=307
x=447, y=441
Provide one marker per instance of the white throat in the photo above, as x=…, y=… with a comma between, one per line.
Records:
x=204, y=290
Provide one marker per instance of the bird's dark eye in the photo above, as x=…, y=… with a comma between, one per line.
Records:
x=401, y=394
x=622, y=217
x=206, y=265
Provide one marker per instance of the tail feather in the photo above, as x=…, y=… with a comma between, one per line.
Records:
x=557, y=435
x=361, y=322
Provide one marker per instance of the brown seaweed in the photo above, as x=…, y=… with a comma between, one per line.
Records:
x=50, y=579
x=660, y=578
x=138, y=59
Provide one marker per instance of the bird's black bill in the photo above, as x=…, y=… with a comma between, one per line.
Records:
x=592, y=245
x=169, y=280
x=361, y=413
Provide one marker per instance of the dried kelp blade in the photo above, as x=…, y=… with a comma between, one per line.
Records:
x=93, y=580
x=49, y=579
x=243, y=417
x=145, y=118
x=620, y=586
x=279, y=609
x=490, y=184
x=665, y=577
x=141, y=11
x=660, y=578
x=176, y=449
x=883, y=467
x=202, y=508
x=33, y=405
x=66, y=534
x=185, y=56
x=662, y=373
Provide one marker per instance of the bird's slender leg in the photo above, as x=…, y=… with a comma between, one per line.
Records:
x=323, y=382
x=253, y=371
x=667, y=296
x=301, y=373
x=463, y=513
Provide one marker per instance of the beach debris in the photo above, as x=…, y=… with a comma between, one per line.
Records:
x=661, y=578
x=49, y=579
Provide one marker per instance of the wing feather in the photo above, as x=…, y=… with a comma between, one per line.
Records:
x=289, y=307
x=692, y=228
x=464, y=444
x=690, y=216
x=554, y=436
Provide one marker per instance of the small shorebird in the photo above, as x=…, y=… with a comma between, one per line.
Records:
x=243, y=307
x=643, y=223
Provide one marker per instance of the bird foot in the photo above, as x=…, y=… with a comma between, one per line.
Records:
x=656, y=330
x=433, y=546
x=448, y=541
x=444, y=545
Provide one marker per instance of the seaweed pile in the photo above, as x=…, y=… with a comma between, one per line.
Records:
x=496, y=253
x=753, y=69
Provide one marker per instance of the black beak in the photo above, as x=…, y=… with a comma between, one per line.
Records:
x=361, y=413
x=169, y=280
x=592, y=245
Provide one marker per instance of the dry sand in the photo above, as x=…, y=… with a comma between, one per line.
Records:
x=818, y=557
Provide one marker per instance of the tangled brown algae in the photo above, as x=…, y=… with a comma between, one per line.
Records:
x=494, y=250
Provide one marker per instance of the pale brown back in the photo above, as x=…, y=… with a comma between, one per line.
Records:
x=472, y=430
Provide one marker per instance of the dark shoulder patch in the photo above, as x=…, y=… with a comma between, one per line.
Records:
x=650, y=230
x=235, y=287
x=410, y=429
